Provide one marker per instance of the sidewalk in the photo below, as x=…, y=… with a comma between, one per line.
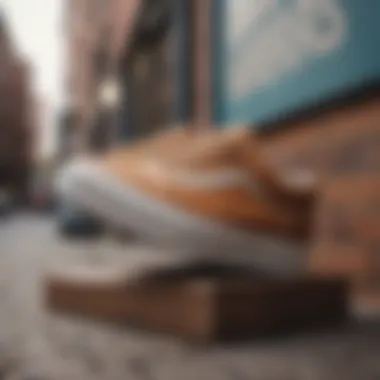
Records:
x=34, y=344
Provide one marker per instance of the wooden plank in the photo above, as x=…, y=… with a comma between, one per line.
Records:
x=205, y=308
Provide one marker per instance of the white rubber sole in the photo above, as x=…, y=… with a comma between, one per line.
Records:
x=160, y=223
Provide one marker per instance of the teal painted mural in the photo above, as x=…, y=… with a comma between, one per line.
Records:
x=279, y=56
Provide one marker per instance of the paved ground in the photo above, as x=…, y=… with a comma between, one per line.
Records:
x=36, y=345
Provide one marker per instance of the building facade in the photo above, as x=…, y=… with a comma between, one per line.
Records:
x=16, y=116
x=156, y=54
x=81, y=43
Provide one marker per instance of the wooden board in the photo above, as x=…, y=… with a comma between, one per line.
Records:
x=204, y=308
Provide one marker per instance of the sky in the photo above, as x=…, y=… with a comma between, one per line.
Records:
x=37, y=30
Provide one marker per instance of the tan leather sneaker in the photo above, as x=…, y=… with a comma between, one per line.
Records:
x=213, y=197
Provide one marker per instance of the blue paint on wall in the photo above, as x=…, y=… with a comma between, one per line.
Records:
x=355, y=62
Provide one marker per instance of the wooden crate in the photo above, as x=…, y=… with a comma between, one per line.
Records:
x=204, y=307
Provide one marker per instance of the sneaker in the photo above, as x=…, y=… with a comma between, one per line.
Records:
x=212, y=198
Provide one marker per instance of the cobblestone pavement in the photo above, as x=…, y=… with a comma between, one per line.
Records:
x=37, y=346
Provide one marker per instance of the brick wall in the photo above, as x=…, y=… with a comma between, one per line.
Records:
x=123, y=15
x=334, y=143
x=84, y=24
x=343, y=148
x=88, y=24
x=152, y=88
x=15, y=116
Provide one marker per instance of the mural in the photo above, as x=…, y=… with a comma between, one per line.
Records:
x=278, y=56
